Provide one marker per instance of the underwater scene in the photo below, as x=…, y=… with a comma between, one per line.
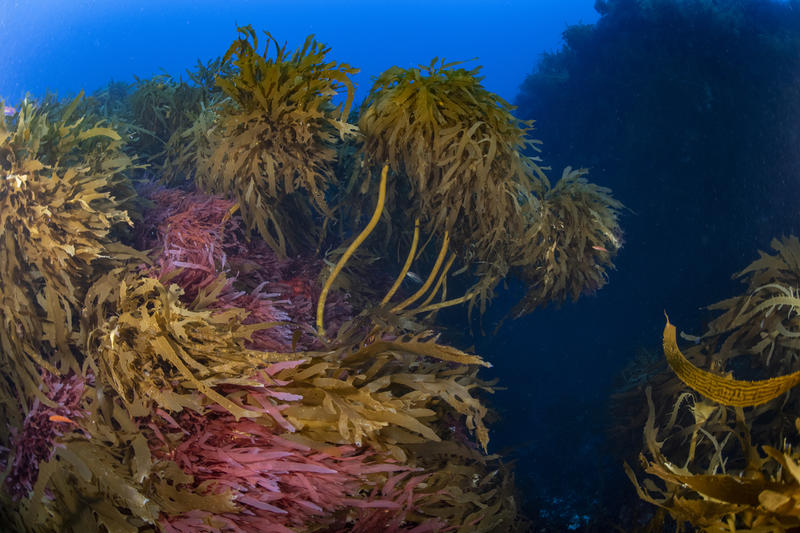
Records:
x=400, y=266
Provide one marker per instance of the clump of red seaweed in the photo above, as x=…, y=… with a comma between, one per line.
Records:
x=42, y=426
x=278, y=483
x=198, y=241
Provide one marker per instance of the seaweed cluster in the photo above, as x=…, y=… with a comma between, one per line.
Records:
x=727, y=454
x=57, y=213
x=303, y=171
x=275, y=135
x=139, y=408
x=180, y=359
x=460, y=164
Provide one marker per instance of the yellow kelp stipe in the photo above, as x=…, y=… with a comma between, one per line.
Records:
x=350, y=250
x=724, y=390
x=406, y=266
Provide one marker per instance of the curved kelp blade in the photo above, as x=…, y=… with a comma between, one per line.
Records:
x=724, y=390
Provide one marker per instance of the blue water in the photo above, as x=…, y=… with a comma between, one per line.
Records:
x=68, y=46
x=692, y=219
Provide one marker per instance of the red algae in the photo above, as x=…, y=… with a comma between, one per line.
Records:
x=198, y=240
x=279, y=484
x=42, y=426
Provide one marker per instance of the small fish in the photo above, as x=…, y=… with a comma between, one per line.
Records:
x=8, y=110
x=59, y=418
x=599, y=249
x=414, y=277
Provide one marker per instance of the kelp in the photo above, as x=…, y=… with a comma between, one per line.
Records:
x=738, y=490
x=57, y=213
x=459, y=162
x=569, y=242
x=384, y=395
x=185, y=148
x=378, y=390
x=455, y=152
x=102, y=475
x=275, y=135
x=720, y=389
x=752, y=487
x=186, y=385
x=473, y=491
x=457, y=144
x=161, y=109
x=757, y=327
x=154, y=351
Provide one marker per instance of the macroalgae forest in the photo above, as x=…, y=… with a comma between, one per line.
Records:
x=220, y=295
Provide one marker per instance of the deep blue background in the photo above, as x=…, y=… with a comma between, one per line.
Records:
x=68, y=46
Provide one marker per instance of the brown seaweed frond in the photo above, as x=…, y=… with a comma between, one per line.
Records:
x=153, y=350
x=386, y=393
x=456, y=153
x=161, y=109
x=185, y=148
x=467, y=488
x=57, y=212
x=568, y=245
x=103, y=476
x=753, y=487
x=276, y=134
x=757, y=336
x=459, y=164
x=738, y=490
x=720, y=389
x=763, y=321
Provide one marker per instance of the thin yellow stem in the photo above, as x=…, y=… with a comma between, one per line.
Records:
x=406, y=266
x=350, y=250
x=441, y=279
x=446, y=303
x=428, y=282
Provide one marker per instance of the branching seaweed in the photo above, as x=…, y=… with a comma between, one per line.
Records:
x=459, y=156
x=719, y=485
x=276, y=133
x=57, y=210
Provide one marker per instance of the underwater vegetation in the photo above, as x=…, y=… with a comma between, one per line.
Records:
x=178, y=356
x=57, y=213
x=726, y=454
x=275, y=134
x=478, y=189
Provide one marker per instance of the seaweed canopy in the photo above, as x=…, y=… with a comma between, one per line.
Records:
x=458, y=146
x=153, y=350
x=161, y=109
x=459, y=152
x=760, y=325
x=572, y=235
x=56, y=214
x=276, y=135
